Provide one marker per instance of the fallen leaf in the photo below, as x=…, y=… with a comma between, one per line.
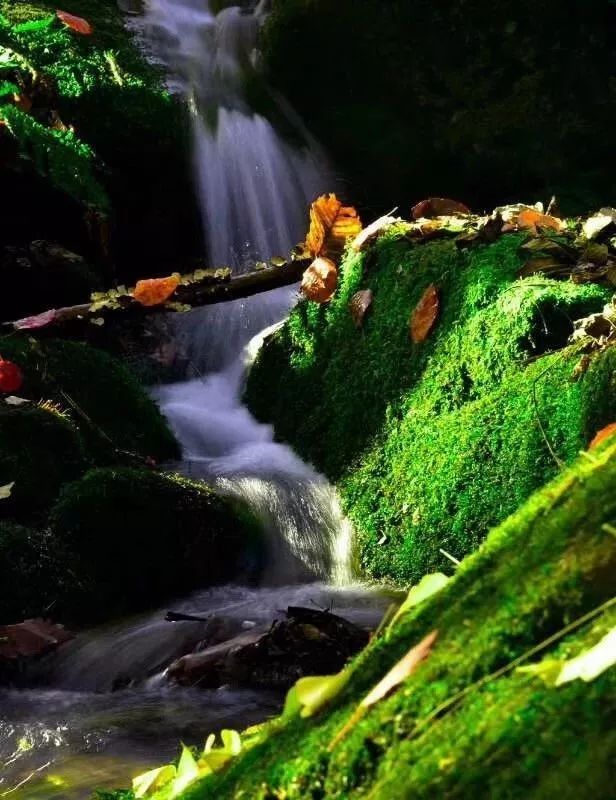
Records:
x=591, y=663
x=77, y=24
x=365, y=237
x=400, y=672
x=320, y=280
x=187, y=772
x=529, y=219
x=6, y=491
x=438, y=207
x=150, y=782
x=602, y=435
x=547, y=265
x=11, y=377
x=16, y=401
x=155, y=291
x=33, y=637
x=359, y=306
x=36, y=322
x=331, y=226
x=428, y=586
x=22, y=102
x=314, y=692
x=425, y=314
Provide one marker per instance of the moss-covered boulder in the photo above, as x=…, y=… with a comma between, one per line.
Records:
x=143, y=537
x=36, y=573
x=415, y=99
x=467, y=723
x=111, y=409
x=432, y=444
x=40, y=450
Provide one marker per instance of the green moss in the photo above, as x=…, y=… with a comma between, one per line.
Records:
x=433, y=444
x=35, y=573
x=112, y=410
x=128, y=148
x=39, y=451
x=509, y=736
x=143, y=537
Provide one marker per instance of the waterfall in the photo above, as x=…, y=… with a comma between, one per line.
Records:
x=254, y=185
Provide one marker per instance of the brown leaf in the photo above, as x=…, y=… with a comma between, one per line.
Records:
x=77, y=24
x=438, y=207
x=546, y=265
x=602, y=435
x=30, y=638
x=23, y=102
x=155, y=291
x=425, y=314
x=359, y=306
x=407, y=665
x=529, y=219
x=331, y=226
x=320, y=280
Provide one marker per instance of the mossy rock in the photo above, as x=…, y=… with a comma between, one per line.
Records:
x=144, y=537
x=36, y=573
x=111, y=409
x=39, y=451
x=466, y=723
x=433, y=444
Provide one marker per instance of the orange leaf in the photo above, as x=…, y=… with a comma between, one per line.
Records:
x=320, y=280
x=77, y=24
x=529, y=219
x=425, y=314
x=397, y=674
x=360, y=305
x=331, y=226
x=438, y=207
x=603, y=434
x=155, y=291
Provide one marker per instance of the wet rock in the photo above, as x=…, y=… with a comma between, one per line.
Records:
x=306, y=642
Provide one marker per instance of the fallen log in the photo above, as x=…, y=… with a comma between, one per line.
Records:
x=201, y=288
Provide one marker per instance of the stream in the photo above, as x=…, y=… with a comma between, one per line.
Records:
x=100, y=709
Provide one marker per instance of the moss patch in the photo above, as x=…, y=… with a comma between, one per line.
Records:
x=511, y=736
x=111, y=409
x=36, y=573
x=433, y=444
x=39, y=451
x=143, y=537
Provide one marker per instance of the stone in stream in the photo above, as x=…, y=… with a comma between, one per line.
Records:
x=306, y=642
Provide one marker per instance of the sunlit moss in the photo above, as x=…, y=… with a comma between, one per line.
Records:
x=433, y=444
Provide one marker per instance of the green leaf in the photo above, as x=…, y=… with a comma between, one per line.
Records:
x=32, y=26
x=591, y=663
x=429, y=585
x=149, y=782
x=312, y=693
x=232, y=742
x=7, y=87
x=547, y=670
x=187, y=772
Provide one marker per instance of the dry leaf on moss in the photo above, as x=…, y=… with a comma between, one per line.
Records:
x=320, y=280
x=77, y=24
x=602, y=435
x=425, y=314
x=438, y=207
x=331, y=226
x=396, y=675
x=360, y=305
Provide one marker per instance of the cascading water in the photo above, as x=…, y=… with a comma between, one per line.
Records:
x=105, y=712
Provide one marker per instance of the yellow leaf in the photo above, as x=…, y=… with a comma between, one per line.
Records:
x=187, y=772
x=316, y=691
x=145, y=785
x=427, y=586
x=331, y=226
x=591, y=663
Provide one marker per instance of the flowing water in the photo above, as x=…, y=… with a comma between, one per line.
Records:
x=101, y=710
